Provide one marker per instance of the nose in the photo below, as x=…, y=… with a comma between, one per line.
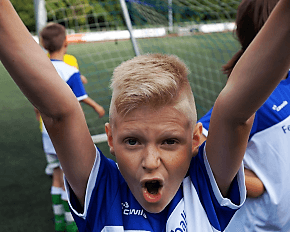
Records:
x=151, y=159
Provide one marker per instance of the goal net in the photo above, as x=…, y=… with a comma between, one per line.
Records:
x=102, y=34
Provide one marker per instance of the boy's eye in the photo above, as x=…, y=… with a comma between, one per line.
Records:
x=169, y=141
x=131, y=142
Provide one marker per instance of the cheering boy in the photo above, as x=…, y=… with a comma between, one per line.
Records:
x=158, y=185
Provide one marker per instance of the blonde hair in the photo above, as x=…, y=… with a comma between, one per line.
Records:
x=153, y=80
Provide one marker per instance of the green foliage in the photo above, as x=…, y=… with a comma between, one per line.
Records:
x=25, y=10
x=143, y=12
x=96, y=15
x=85, y=15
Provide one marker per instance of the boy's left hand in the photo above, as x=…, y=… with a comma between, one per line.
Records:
x=100, y=110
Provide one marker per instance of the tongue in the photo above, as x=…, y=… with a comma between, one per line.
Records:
x=152, y=198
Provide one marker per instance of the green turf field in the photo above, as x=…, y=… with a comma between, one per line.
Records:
x=25, y=189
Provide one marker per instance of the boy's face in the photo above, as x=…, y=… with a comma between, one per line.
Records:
x=153, y=149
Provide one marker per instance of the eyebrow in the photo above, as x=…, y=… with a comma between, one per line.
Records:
x=168, y=130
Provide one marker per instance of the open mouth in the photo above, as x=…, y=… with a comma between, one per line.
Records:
x=153, y=186
x=152, y=190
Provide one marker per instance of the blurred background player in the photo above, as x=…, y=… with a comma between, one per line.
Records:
x=72, y=61
x=53, y=39
x=267, y=159
x=68, y=58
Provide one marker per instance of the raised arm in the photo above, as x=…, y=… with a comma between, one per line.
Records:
x=255, y=76
x=35, y=75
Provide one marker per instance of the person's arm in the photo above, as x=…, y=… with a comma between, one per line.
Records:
x=255, y=76
x=38, y=79
x=84, y=79
x=98, y=108
x=254, y=185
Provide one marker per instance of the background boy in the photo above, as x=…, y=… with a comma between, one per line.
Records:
x=53, y=39
x=153, y=140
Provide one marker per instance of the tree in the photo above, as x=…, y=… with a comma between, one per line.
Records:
x=25, y=10
x=85, y=15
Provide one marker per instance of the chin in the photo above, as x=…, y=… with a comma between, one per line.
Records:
x=154, y=208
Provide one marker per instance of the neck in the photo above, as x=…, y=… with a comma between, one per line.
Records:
x=57, y=55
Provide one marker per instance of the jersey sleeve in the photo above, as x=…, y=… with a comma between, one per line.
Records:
x=77, y=86
x=219, y=209
x=102, y=187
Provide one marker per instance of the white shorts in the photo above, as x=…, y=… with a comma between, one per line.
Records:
x=52, y=163
x=50, y=153
x=47, y=144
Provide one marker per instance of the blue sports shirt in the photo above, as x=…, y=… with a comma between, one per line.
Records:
x=197, y=206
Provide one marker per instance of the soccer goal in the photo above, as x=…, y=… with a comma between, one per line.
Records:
x=102, y=34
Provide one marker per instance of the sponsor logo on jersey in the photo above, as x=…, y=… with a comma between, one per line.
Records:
x=127, y=211
x=280, y=107
x=286, y=128
x=183, y=224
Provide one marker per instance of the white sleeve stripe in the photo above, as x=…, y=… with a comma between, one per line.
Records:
x=90, y=186
x=82, y=97
x=204, y=131
x=241, y=182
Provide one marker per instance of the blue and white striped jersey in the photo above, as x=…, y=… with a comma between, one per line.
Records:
x=71, y=76
x=197, y=206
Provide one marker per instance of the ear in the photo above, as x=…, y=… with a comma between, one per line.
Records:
x=64, y=46
x=110, y=138
x=65, y=43
x=196, y=139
